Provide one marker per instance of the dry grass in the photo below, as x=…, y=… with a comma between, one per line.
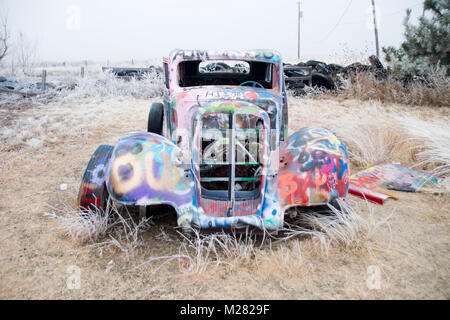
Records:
x=435, y=92
x=375, y=133
x=315, y=256
x=354, y=230
x=70, y=88
x=112, y=229
x=37, y=127
x=369, y=143
x=204, y=251
x=56, y=116
x=338, y=226
x=431, y=143
x=198, y=255
x=367, y=129
x=83, y=228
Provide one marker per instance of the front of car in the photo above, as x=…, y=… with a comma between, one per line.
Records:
x=224, y=111
x=217, y=150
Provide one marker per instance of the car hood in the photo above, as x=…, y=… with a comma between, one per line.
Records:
x=213, y=93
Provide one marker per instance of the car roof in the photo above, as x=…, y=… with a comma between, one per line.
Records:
x=263, y=55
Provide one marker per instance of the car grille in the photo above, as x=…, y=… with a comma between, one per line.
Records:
x=215, y=208
x=231, y=163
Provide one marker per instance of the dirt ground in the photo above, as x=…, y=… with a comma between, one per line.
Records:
x=411, y=252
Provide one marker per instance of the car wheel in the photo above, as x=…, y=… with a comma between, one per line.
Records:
x=93, y=194
x=335, y=68
x=314, y=63
x=322, y=81
x=155, y=118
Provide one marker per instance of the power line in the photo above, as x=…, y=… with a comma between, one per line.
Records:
x=384, y=15
x=401, y=11
x=339, y=21
x=381, y=16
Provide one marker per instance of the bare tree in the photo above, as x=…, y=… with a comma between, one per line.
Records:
x=4, y=34
x=26, y=54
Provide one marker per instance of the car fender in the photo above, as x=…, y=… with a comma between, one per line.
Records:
x=146, y=169
x=314, y=168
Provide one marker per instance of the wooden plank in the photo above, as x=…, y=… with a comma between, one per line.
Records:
x=297, y=78
x=300, y=78
x=297, y=68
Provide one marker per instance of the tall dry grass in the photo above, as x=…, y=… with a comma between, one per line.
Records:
x=68, y=88
x=374, y=132
x=430, y=142
x=367, y=129
x=198, y=254
x=111, y=229
x=365, y=86
x=335, y=225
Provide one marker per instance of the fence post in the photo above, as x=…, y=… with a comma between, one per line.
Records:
x=44, y=80
x=82, y=72
x=310, y=76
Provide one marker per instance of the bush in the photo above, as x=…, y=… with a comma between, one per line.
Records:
x=426, y=46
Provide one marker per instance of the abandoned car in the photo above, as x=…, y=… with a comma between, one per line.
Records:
x=217, y=148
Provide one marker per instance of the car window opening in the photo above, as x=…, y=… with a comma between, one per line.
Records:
x=225, y=72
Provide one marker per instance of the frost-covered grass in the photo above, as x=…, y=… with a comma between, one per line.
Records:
x=335, y=226
x=83, y=228
x=69, y=88
x=431, y=143
x=107, y=85
x=375, y=132
x=435, y=91
x=34, y=127
x=110, y=229
x=76, y=115
x=197, y=254
x=70, y=107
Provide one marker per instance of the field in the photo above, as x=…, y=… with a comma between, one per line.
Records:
x=45, y=144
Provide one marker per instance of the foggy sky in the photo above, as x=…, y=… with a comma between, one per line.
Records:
x=70, y=30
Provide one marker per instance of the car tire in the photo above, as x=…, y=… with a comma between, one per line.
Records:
x=155, y=118
x=335, y=68
x=314, y=63
x=322, y=81
x=92, y=194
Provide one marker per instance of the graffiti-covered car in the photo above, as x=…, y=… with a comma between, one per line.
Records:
x=217, y=148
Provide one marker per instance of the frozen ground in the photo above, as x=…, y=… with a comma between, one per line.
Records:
x=44, y=145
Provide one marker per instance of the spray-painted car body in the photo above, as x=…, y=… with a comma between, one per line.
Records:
x=224, y=157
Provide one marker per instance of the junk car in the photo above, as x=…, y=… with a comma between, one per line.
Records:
x=217, y=149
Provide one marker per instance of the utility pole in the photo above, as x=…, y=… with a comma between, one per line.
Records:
x=376, y=29
x=298, y=30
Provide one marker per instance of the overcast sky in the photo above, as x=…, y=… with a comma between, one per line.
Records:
x=70, y=30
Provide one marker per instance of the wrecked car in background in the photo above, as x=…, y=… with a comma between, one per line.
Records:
x=217, y=149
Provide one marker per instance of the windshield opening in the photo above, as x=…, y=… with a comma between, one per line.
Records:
x=255, y=74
